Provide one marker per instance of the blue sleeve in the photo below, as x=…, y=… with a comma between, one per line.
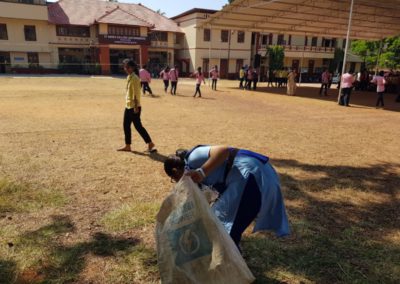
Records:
x=198, y=157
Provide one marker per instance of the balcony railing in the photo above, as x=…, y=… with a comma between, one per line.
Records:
x=305, y=48
x=309, y=48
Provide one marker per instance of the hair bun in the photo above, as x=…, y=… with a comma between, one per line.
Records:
x=181, y=153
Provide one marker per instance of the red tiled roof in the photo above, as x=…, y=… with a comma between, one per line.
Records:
x=87, y=12
x=121, y=17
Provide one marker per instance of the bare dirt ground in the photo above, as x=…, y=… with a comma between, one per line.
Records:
x=339, y=169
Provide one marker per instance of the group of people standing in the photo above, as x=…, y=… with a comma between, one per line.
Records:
x=348, y=81
x=248, y=78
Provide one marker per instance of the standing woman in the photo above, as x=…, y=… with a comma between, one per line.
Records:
x=133, y=108
x=173, y=76
x=199, y=78
x=249, y=78
x=165, y=77
x=248, y=185
x=145, y=79
x=214, y=76
x=380, y=82
x=291, y=86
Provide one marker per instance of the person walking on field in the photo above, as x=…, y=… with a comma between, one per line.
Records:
x=199, y=79
x=347, y=81
x=173, y=76
x=325, y=81
x=145, y=79
x=249, y=78
x=380, y=83
x=291, y=86
x=164, y=74
x=242, y=77
x=214, y=77
x=133, y=108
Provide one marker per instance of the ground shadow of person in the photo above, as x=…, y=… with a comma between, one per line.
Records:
x=156, y=156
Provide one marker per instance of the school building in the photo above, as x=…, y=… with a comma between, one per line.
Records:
x=231, y=49
x=228, y=49
x=88, y=36
x=24, y=34
x=94, y=36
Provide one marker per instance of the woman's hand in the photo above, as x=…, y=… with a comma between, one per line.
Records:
x=195, y=175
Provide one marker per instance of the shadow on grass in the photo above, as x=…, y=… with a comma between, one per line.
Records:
x=333, y=240
x=8, y=271
x=62, y=263
x=366, y=99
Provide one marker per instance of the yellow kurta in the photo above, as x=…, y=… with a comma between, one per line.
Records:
x=132, y=91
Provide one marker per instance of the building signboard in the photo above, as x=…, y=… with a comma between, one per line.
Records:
x=127, y=40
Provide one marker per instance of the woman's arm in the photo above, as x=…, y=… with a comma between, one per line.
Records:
x=217, y=156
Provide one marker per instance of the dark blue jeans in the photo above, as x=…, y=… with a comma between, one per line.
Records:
x=345, y=97
x=249, y=207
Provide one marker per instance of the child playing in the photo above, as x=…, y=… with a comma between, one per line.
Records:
x=199, y=78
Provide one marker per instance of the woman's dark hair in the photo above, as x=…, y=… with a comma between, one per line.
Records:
x=130, y=63
x=381, y=73
x=199, y=71
x=176, y=161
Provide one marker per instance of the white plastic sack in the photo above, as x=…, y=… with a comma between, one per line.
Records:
x=192, y=245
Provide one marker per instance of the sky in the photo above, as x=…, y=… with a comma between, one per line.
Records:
x=175, y=7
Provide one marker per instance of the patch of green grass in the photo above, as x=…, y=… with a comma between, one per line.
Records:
x=18, y=198
x=344, y=257
x=131, y=216
x=139, y=266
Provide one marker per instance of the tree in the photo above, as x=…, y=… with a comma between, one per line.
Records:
x=276, y=56
x=369, y=52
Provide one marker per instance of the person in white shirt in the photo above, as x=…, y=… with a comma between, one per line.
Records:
x=380, y=82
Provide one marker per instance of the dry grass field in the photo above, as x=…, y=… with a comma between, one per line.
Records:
x=73, y=210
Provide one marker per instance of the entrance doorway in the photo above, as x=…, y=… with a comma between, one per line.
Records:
x=223, y=69
x=4, y=61
x=119, y=55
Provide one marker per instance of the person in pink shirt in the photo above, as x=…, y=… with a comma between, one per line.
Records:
x=165, y=77
x=380, y=83
x=145, y=79
x=199, y=78
x=173, y=76
x=214, y=77
x=347, y=82
x=325, y=79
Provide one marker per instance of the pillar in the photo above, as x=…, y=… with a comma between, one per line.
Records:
x=104, y=57
x=144, y=54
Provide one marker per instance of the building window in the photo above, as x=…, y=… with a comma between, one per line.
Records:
x=30, y=33
x=314, y=41
x=123, y=31
x=281, y=40
x=224, y=35
x=3, y=32
x=33, y=59
x=306, y=41
x=206, y=64
x=264, y=40
x=240, y=36
x=239, y=65
x=159, y=36
x=270, y=39
x=74, y=31
x=344, y=44
x=207, y=35
x=290, y=40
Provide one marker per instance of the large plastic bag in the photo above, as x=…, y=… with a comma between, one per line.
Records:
x=192, y=245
